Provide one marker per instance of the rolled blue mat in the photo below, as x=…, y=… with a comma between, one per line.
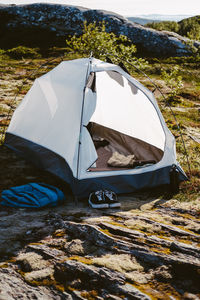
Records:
x=33, y=195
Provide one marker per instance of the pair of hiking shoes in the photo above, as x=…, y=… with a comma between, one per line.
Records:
x=103, y=199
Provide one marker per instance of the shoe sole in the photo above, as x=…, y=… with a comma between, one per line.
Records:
x=115, y=205
x=103, y=205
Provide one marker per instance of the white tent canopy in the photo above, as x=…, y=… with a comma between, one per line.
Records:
x=52, y=108
x=60, y=105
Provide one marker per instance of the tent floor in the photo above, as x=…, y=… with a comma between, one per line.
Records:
x=101, y=163
x=103, y=157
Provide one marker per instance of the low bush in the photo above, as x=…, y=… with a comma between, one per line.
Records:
x=23, y=52
x=173, y=80
x=2, y=52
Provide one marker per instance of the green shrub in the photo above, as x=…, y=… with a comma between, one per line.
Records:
x=23, y=52
x=3, y=55
x=101, y=44
x=173, y=81
x=165, y=25
x=189, y=27
x=2, y=52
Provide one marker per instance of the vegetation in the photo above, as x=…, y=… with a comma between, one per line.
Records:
x=23, y=52
x=178, y=79
x=189, y=27
x=162, y=231
x=165, y=25
x=101, y=44
x=173, y=81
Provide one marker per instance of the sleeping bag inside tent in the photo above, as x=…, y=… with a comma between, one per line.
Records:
x=96, y=127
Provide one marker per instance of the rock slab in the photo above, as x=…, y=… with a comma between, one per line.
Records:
x=50, y=24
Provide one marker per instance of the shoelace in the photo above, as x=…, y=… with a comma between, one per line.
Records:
x=99, y=195
x=109, y=194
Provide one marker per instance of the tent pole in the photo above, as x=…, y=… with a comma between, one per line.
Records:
x=82, y=108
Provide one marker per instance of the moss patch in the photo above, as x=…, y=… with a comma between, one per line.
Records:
x=81, y=259
x=121, y=263
x=91, y=295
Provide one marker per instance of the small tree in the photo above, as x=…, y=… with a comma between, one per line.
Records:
x=95, y=39
x=173, y=81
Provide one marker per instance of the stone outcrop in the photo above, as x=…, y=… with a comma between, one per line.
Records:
x=50, y=24
x=147, y=249
x=110, y=254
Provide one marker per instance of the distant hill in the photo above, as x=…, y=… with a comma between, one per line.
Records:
x=144, y=19
x=190, y=20
x=157, y=17
x=141, y=21
x=188, y=27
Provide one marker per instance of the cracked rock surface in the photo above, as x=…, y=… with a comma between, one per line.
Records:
x=147, y=249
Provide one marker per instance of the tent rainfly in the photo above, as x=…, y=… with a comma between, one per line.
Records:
x=75, y=117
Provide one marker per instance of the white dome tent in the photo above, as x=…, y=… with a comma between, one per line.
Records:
x=85, y=102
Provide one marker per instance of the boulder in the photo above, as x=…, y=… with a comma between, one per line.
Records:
x=46, y=25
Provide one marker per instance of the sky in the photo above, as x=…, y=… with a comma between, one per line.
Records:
x=129, y=7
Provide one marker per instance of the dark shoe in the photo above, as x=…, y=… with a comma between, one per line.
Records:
x=111, y=199
x=97, y=200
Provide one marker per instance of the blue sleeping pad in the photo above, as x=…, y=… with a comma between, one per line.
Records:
x=33, y=195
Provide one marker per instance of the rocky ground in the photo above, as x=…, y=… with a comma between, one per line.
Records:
x=147, y=249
